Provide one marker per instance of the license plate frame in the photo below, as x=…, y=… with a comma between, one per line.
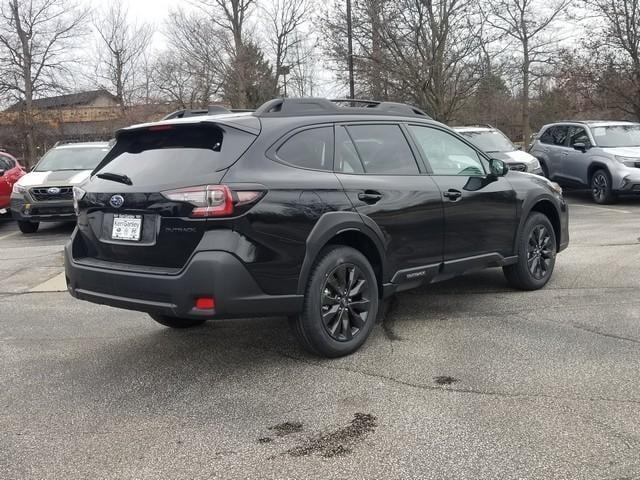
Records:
x=126, y=228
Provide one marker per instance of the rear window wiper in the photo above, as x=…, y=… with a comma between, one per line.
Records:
x=115, y=177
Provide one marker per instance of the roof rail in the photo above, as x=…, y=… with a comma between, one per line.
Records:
x=210, y=110
x=475, y=125
x=320, y=106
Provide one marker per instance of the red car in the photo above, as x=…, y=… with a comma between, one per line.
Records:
x=10, y=172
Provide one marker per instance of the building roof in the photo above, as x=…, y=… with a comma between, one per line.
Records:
x=70, y=100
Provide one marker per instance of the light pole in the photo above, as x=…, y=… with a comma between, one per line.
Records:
x=352, y=88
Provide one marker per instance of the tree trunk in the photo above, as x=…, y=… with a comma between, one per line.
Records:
x=526, y=129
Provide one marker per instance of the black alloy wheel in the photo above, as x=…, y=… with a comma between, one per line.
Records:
x=539, y=252
x=345, y=302
x=537, y=247
x=340, y=303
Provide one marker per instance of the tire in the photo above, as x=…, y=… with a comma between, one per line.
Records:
x=536, y=254
x=175, y=322
x=340, y=304
x=28, y=227
x=600, y=185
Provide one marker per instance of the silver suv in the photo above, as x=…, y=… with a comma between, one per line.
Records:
x=497, y=145
x=601, y=155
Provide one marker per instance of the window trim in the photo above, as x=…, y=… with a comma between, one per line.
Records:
x=401, y=125
x=272, y=151
x=453, y=133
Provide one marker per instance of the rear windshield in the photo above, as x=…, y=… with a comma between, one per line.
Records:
x=617, y=136
x=75, y=158
x=165, y=154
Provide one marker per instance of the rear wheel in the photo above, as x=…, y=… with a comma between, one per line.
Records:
x=536, y=254
x=28, y=227
x=341, y=303
x=601, y=188
x=174, y=322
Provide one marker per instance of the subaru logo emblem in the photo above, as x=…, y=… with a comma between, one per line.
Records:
x=116, y=201
x=53, y=191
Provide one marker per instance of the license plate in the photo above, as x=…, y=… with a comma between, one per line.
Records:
x=127, y=227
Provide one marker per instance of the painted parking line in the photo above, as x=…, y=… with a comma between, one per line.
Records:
x=55, y=284
x=617, y=210
x=12, y=234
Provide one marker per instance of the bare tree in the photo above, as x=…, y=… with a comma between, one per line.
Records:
x=122, y=45
x=612, y=65
x=283, y=36
x=196, y=64
x=529, y=24
x=36, y=39
x=231, y=16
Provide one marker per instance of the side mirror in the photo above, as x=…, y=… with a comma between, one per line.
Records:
x=581, y=146
x=498, y=168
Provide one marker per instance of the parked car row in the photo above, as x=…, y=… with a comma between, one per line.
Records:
x=312, y=209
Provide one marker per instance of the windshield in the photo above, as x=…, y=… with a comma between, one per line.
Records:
x=617, y=136
x=489, y=141
x=76, y=158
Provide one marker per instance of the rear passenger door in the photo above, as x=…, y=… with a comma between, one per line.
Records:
x=554, y=143
x=386, y=182
x=575, y=164
x=479, y=210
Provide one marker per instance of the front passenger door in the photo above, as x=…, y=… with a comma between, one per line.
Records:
x=479, y=209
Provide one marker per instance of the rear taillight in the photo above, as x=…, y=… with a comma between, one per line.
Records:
x=212, y=200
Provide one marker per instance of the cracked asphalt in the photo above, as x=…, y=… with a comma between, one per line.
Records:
x=463, y=380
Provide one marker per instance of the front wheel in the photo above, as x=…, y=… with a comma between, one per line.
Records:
x=536, y=254
x=28, y=227
x=340, y=305
x=174, y=322
x=601, y=188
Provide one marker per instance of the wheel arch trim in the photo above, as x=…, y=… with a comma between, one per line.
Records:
x=329, y=226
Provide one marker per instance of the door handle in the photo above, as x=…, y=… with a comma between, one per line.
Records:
x=453, y=195
x=370, y=196
x=565, y=154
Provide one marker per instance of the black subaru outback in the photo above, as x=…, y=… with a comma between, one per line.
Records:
x=308, y=208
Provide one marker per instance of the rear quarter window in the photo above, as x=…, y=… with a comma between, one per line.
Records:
x=311, y=148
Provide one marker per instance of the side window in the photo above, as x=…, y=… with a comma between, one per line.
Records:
x=347, y=159
x=555, y=135
x=6, y=163
x=578, y=135
x=311, y=148
x=383, y=149
x=447, y=154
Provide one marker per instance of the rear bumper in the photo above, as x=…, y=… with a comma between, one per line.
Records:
x=59, y=211
x=210, y=273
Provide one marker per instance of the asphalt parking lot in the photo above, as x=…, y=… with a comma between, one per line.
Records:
x=464, y=379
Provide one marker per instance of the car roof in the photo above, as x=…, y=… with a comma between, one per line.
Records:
x=82, y=145
x=593, y=123
x=474, y=129
x=302, y=110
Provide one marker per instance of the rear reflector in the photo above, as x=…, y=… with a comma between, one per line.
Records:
x=205, y=303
